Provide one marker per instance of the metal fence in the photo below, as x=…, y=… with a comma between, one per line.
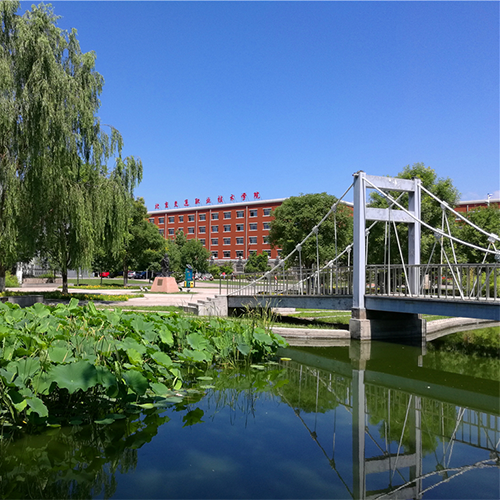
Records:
x=441, y=281
x=458, y=281
x=329, y=281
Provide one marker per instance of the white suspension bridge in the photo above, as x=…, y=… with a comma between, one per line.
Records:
x=385, y=299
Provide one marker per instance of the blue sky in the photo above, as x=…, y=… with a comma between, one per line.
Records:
x=283, y=98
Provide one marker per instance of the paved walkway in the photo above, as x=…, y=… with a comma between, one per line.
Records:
x=150, y=299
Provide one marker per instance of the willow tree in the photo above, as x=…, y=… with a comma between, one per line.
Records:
x=55, y=147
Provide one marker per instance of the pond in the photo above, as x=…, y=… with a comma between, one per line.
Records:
x=356, y=421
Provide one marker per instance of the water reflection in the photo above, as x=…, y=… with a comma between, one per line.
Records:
x=363, y=421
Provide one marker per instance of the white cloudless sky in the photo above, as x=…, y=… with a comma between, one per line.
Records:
x=283, y=98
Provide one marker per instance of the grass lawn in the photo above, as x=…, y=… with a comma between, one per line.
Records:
x=168, y=309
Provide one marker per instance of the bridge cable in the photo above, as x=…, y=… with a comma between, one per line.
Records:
x=268, y=273
x=460, y=216
x=428, y=226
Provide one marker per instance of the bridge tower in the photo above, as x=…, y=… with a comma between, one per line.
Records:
x=367, y=324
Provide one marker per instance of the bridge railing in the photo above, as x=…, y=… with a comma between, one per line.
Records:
x=328, y=281
x=441, y=281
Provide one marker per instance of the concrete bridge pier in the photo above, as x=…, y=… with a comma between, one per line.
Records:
x=366, y=324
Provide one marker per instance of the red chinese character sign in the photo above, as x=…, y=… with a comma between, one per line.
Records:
x=157, y=206
x=231, y=198
x=220, y=199
x=208, y=201
x=186, y=203
x=256, y=196
x=196, y=201
x=175, y=204
x=243, y=196
x=166, y=204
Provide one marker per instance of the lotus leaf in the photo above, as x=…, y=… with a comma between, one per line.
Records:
x=166, y=336
x=160, y=389
x=75, y=376
x=36, y=405
x=162, y=359
x=40, y=310
x=134, y=357
x=60, y=354
x=136, y=381
x=197, y=341
x=244, y=348
x=25, y=368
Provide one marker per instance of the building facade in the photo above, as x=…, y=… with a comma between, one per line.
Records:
x=229, y=231
x=468, y=206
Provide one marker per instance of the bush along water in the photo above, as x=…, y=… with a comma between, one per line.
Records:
x=73, y=365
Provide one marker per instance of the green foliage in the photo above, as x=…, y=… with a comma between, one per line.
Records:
x=11, y=280
x=257, y=263
x=196, y=255
x=487, y=218
x=71, y=363
x=297, y=216
x=431, y=213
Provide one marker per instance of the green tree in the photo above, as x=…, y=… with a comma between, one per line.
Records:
x=142, y=245
x=53, y=148
x=257, y=263
x=487, y=218
x=431, y=213
x=297, y=216
x=196, y=255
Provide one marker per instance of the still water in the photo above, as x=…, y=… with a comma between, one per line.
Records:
x=356, y=421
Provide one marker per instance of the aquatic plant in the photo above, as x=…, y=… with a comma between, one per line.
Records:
x=72, y=364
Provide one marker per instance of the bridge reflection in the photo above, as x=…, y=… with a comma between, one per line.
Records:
x=401, y=413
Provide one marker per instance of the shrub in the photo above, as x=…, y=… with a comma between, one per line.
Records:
x=11, y=280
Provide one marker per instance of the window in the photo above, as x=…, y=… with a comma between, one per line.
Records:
x=190, y=218
x=239, y=254
x=240, y=214
x=202, y=241
x=171, y=219
x=227, y=241
x=181, y=218
x=215, y=254
x=279, y=253
x=267, y=225
x=203, y=216
x=215, y=241
x=267, y=252
x=227, y=254
x=265, y=240
x=253, y=213
x=267, y=211
x=227, y=215
x=162, y=231
x=171, y=232
x=215, y=229
x=152, y=220
x=201, y=229
x=253, y=252
x=190, y=230
x=239, y=241
x=253, y=240
x=239, y=227
x=227, y=228
x=253, y=227
x=161, y=220
x=215, y=216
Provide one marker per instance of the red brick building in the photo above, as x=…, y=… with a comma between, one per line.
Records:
x=467, y=206
x=230, y=231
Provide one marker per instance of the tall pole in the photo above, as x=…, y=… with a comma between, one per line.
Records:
x=359, y=260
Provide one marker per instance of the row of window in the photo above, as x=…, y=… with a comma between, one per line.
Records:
x=239, y=241
x=240, y=214
x=226, y=254
x=215, y=229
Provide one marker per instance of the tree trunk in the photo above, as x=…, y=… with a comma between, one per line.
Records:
x=64, y=281
x=125, y=273
x=2, y=279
